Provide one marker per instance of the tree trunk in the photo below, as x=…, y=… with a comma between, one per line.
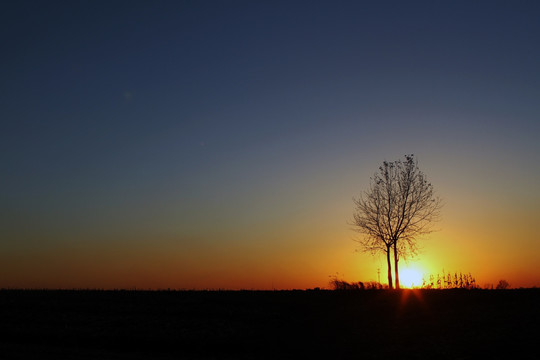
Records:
x=389, y=263
x=396, y=270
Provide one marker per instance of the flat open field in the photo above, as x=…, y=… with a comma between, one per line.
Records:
x=448, y=324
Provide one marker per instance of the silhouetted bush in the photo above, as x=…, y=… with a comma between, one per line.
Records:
x=374, y=285
x=338, y=284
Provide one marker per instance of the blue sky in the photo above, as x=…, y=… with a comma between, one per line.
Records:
x=202, y=122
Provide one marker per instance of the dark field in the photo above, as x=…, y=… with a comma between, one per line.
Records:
x=448, y=324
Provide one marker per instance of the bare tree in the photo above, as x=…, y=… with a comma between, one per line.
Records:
x=399, y=206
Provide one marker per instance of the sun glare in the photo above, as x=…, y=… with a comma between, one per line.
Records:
x=410, y=278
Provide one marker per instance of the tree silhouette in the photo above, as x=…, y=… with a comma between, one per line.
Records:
x=399, y=206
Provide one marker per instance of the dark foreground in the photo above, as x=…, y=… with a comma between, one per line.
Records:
x=282, y=324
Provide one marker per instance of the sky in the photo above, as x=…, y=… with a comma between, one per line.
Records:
x=219, y=144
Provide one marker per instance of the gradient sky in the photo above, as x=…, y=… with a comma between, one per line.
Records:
x=219, y=144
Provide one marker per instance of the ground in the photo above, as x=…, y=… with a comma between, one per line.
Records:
x=447, y=324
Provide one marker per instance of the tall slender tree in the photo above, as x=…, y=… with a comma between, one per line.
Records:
x=399, y=206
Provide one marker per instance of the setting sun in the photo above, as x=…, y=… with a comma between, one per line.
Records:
x=410, y=278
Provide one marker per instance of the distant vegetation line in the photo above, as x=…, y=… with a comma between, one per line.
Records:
x=445, y=281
